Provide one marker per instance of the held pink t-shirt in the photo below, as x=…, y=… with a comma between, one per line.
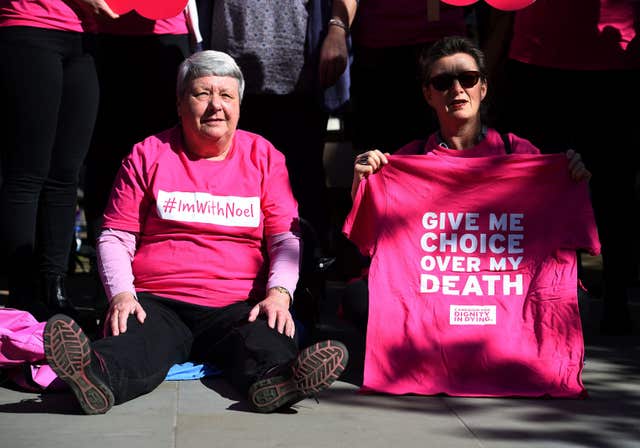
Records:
x=577, y=34
x=202, y=224
x=472, y=285
x=50, y=14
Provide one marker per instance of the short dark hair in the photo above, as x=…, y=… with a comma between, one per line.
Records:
x=447, y=46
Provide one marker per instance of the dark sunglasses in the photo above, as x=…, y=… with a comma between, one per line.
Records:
x=444, y=81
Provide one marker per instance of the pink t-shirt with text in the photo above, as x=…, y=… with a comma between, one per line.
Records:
x=473, y=279
x=202, y=224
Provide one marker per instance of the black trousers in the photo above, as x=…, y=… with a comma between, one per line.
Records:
x=48, y=105
x=137, y=361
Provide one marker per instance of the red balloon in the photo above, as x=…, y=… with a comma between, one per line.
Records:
x=151, y=9
x=459, y=2
x=509, y=5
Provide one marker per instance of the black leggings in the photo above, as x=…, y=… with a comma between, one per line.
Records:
x=48, y=103
x=138, y=360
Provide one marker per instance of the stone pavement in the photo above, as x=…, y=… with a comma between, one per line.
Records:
x=208, y=413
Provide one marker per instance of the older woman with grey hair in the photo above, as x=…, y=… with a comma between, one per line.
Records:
x=199, y=258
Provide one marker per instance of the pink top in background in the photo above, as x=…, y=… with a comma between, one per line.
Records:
x=384, y=23
x=577, y=35
x=202, y=224
x=449, y=313
x=133, y=24
x=491, y=145
x=50, y=14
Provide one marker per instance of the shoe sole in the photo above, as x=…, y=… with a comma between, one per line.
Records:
x=315, y=369
x=68, y=352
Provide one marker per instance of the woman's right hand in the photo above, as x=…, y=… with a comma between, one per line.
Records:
x=123, y=305
x=367, y=163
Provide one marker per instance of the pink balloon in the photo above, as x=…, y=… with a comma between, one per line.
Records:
x=509, y=5
x=151, y=9
x=459, y=2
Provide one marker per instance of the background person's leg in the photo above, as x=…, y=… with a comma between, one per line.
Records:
x=58, y=200
x=31, y=85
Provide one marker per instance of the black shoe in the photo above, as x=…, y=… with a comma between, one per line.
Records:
x=54, y=293
x=315, y=369
x=68, y=353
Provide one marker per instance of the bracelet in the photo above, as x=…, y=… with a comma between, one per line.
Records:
x=336, y=21
x=283, y=290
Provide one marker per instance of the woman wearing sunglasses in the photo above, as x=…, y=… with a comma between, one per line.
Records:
x=454, y=80
x=454, y=84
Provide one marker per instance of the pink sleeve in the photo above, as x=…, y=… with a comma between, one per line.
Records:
x=284, y=253
x=129, y=201
x=116, y=249
x=277, y=202
x=360, y=225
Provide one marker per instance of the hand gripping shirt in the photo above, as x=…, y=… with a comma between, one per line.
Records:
x=473, y=285
x=202, y=224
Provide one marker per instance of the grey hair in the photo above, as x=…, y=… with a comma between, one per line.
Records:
x=207, y=63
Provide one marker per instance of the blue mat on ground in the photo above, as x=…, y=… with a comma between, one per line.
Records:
x=191, y=371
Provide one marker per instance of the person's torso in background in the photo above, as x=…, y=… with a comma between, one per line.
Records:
x=50, y=14
x=384, y=23
x=267, y=40
x=577, y=34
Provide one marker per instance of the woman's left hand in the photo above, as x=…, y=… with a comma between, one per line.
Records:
x=576, y=167
x=276, y=309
